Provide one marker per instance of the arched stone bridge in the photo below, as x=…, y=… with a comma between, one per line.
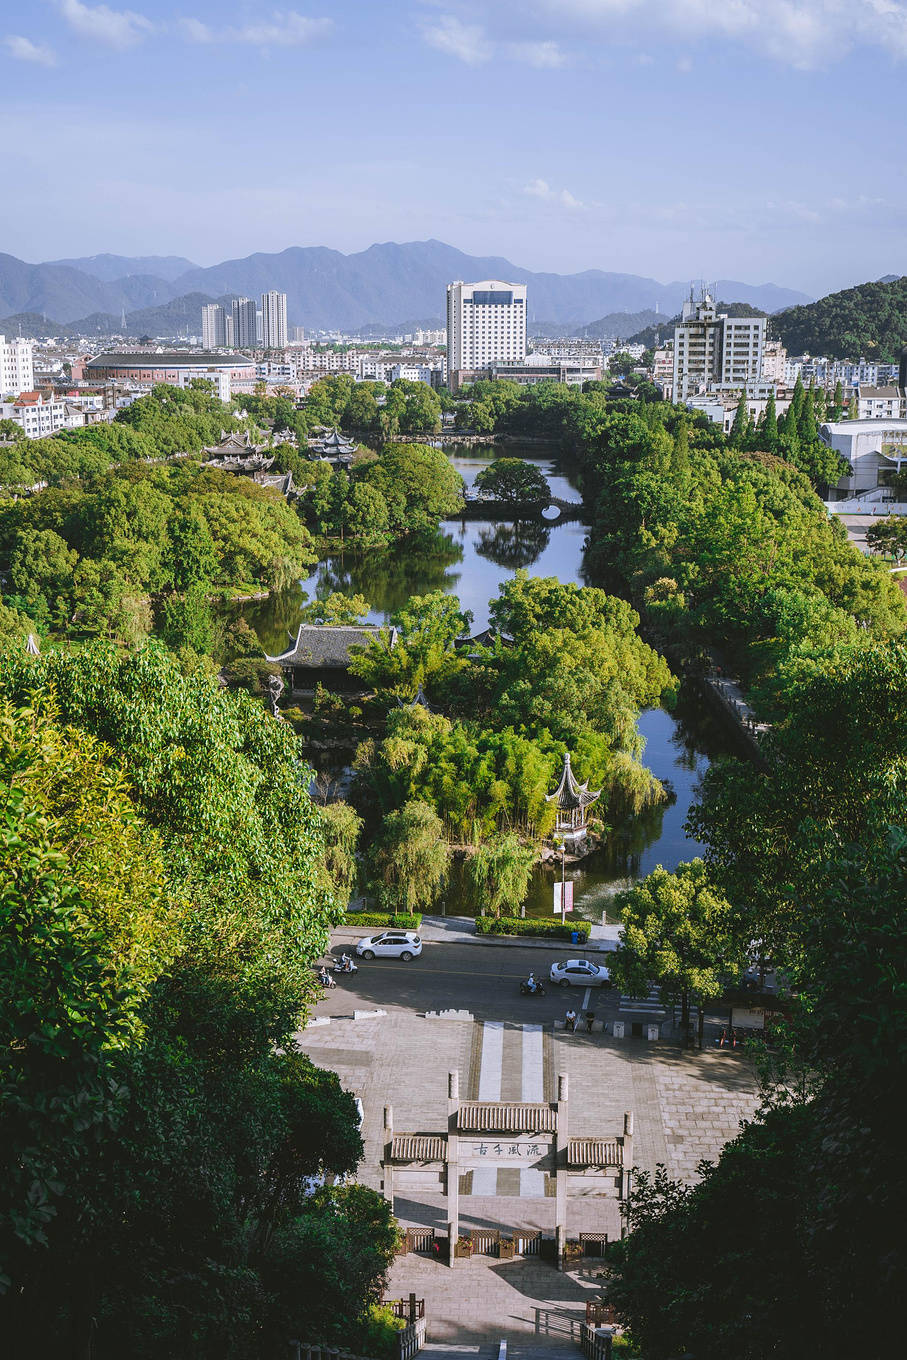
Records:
x=480, y=507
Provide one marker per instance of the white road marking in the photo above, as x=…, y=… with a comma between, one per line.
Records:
x=587, y=996
x=532, y=1182
x=485, y=1178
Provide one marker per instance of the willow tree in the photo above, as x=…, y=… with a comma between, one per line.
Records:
x=411, y=858
x=499, y=873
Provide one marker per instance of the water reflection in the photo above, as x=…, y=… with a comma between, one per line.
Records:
x=513, y=545
x=679, y=750
x=472, y=559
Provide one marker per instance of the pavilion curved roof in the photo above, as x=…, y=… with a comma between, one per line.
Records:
x=569, y=792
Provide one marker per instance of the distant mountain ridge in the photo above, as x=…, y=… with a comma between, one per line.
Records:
x=109, y=268
x=328, y=290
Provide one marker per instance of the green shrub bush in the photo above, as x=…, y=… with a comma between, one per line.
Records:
x=400, y=919
x=514, y=925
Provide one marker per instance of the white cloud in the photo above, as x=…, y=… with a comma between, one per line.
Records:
x=540, y=188
x=115, y=27
x=23, y=49
x=196, y=31
x=799, y=33
x=539, y=54
x=472, y=44
x=283, y=28
x=466, y=42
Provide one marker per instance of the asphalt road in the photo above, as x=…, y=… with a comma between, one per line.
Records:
x=482, y=979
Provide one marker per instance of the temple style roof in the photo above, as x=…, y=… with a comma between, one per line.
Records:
x=419, y=701
x=418, y=1147
x=328, y=644
x=492, y=1116
x=599, y=1152
x=331, y=441
x=569, y=793
x=487, y=638
x=234, y=446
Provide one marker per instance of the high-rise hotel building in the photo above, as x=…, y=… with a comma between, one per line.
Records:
x=486, y=324
x=713, y=350
x=274, y=320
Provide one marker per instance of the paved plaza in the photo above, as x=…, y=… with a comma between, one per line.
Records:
x=686, y=1106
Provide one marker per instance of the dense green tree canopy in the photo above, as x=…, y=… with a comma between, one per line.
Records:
x=512, y=479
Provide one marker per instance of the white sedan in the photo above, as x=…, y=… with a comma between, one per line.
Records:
x=390, y=944
x=580, y=973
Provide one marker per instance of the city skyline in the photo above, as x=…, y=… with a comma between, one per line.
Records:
x=563, y=136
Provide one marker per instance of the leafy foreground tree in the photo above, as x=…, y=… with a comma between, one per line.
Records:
x=799, y=1226
x=164, y=891
x=680, y=932
x=513, y=479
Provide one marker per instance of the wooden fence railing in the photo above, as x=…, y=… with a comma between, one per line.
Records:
x=600, y=1314
x=595, y=1345
x=411, y=1340
x=410, y=1310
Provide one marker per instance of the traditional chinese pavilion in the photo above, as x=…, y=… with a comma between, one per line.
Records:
x=573, y=803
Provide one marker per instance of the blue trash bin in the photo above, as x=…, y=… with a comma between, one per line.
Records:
x=574, y=937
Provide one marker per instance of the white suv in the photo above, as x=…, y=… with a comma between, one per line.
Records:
x=390, y=944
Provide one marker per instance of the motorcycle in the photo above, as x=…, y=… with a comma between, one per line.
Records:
x=346, y=966
x=526, y=989
x=326, y=980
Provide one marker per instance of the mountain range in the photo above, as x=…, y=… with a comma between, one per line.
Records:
x=327, y=290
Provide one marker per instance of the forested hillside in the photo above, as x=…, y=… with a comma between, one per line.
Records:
x=869, y=320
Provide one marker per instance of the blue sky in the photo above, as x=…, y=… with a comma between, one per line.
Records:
x=752, y=139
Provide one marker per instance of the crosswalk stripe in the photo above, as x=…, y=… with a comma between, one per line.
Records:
x=532, y=1182
x=485, y=1178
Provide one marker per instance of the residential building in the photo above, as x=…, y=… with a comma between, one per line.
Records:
x=663, y=369
x=711, y=347
x=245, y=323
x=721, y=407
x=178, y=369
x=41, y=415
x=274, y=320
x=486, y=324
x=298, y=335
x=214, y=329
x=774, y=359
x=228, y=329
x=17, y=366
x=879, y=403
x=546, y=368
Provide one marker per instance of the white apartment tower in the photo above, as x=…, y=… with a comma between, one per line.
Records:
x=245, y=323
x=17, y=366
x=486, y=324
x=214, y=327
x=274, y=320
x=711, y=348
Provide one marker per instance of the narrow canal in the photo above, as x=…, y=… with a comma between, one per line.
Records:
x=471, y=560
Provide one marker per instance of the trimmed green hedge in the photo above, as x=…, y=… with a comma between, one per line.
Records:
x=515, y=925
x=401, y=920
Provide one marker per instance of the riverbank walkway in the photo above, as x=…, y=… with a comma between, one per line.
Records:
x=734, y=702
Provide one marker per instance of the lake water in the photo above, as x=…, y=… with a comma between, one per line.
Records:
x=471, y=559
